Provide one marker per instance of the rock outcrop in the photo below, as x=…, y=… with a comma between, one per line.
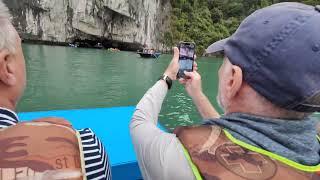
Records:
x=126, y=24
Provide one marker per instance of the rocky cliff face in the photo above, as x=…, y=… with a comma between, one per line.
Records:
x=115, y=23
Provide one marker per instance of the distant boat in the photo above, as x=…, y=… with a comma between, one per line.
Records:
x=73, y=45
x=98, y=46
x=113, y=50
x=148, y=53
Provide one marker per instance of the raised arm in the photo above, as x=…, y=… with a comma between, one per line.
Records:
x=194, y=89
x=159, y=153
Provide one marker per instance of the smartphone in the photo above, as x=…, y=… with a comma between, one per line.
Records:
x=186, y=58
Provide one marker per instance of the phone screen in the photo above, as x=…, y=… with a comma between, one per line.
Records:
x=186, y=58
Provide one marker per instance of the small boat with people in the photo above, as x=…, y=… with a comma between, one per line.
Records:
x=98, y=46
x=113, y=50
x=149, y=53
x=74, y=45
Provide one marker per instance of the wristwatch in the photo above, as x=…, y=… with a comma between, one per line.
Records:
x=167, y=79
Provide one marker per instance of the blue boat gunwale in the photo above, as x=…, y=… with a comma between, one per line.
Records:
x=121, y=155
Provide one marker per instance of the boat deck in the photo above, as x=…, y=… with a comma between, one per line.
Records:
x=111, y=125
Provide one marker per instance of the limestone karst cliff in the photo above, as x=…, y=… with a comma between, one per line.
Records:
x=127, y=23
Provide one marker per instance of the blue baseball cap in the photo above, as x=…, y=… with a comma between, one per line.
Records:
x=278, y=49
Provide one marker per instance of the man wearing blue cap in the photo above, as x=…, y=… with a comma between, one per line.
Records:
x=269, y=85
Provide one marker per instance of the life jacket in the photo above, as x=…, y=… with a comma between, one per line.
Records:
x=41, y=149
x=215, y=154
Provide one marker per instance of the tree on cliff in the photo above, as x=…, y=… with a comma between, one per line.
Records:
x=206, y=21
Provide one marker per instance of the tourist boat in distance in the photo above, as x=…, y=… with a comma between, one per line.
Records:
x=74, y=45
x=98, y=46
x=113, y=50
x=148, y=53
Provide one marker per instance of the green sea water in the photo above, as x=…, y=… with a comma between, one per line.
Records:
x=75, y=78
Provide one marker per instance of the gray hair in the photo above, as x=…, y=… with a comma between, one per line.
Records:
x=280, y=112
x=8, y=35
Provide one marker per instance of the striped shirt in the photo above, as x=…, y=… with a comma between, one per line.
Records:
x=97, y=165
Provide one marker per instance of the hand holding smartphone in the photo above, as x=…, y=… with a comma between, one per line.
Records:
x=186, y=58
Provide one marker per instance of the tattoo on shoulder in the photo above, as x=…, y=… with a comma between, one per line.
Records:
x=244, y=163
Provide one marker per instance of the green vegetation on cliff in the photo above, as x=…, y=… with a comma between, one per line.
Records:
x=206, y=21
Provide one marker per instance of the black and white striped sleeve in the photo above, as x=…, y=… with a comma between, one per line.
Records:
x=7, y=118
x=97, y=164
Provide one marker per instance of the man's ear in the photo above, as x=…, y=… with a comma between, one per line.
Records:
x=235, y=81
x=7, y=76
